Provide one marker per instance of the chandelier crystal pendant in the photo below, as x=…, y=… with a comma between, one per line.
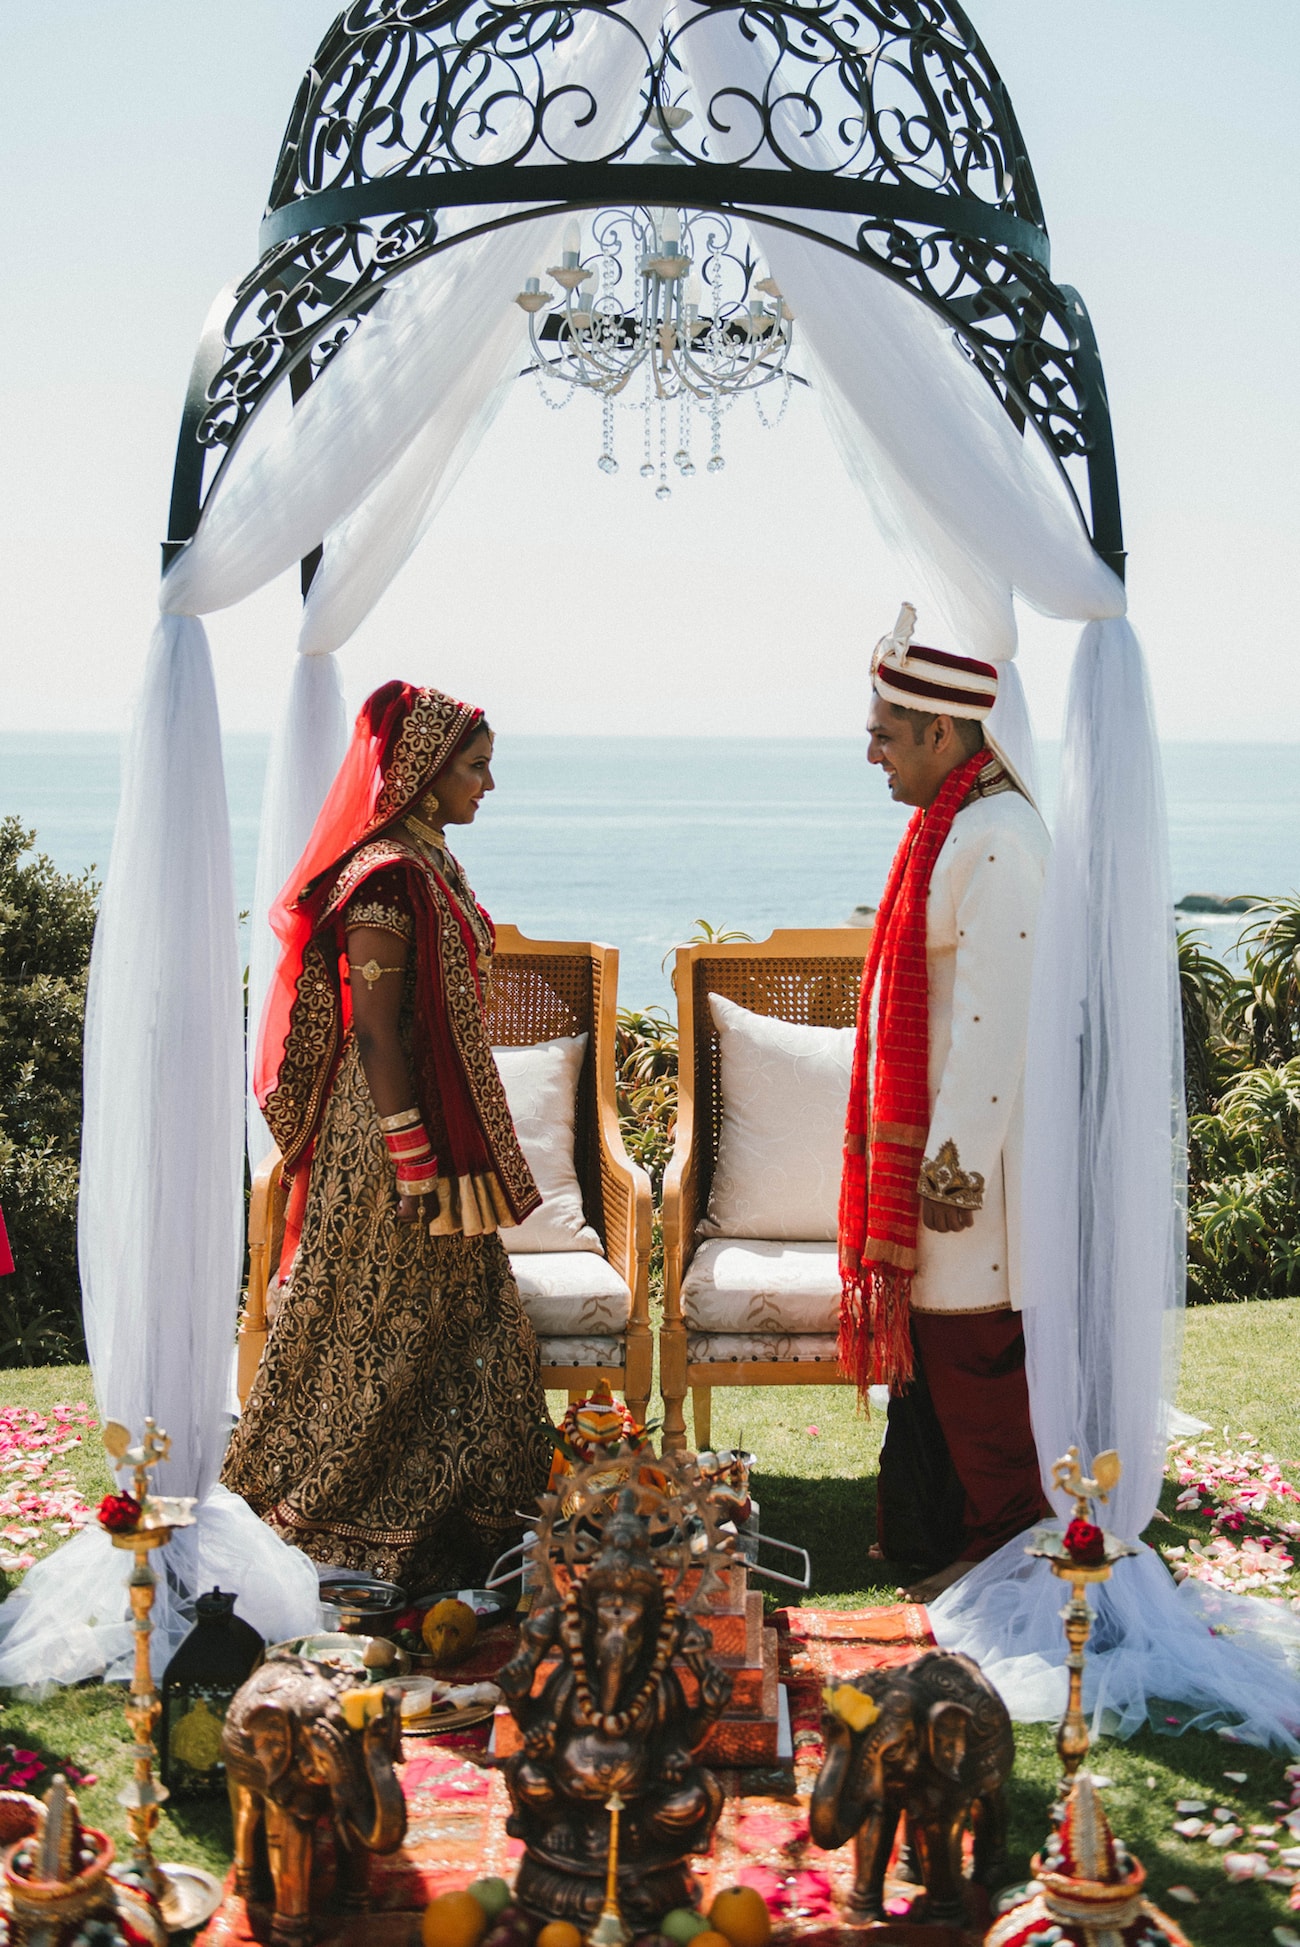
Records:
x=666, y=298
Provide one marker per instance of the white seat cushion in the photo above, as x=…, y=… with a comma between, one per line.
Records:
x=541, y=1084
x=572, y=1293
x=581, y=1352
x=754, y=1285
x=749, y=1348
x=785, y=1090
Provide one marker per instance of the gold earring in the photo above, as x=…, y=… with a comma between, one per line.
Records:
x=429, y=804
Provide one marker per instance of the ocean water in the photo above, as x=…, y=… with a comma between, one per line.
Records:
x=632, y=840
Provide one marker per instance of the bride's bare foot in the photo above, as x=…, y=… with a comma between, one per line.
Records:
x=934, y=1585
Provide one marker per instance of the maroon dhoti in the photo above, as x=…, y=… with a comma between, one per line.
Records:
x=974, y=1366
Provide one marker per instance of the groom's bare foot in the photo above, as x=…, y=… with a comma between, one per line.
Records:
x=934, y=1585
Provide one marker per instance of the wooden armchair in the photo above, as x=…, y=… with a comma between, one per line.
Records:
x=812, y=977
x=540, y=989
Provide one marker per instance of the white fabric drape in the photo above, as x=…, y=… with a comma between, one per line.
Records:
x=354, y=422
x=367, y=549
x=985, y=512
x=1104, y=1253
x=979, y=507
x=385, y=427
x=161, y=1240
x=422, y=355
x=306, y=751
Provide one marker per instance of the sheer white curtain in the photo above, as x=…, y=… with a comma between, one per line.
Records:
x=306, y=751
x=161, y=1237
x=986, y=513
x=434, y=348
x=1104, y=1257
x=161, y=1243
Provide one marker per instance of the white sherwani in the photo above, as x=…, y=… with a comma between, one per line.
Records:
x=983, y=907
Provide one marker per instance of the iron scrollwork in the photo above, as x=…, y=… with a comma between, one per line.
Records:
x=889, y=112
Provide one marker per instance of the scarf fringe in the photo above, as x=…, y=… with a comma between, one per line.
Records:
x=875, y=1342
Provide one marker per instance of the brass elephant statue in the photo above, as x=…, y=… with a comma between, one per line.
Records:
x=290, y=1756
x=932, y=1743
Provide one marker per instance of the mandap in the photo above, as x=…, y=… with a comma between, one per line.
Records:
x=867, y=152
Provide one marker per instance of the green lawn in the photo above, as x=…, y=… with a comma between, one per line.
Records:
x=816, y=1481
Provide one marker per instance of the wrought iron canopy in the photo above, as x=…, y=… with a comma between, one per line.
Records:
x=889, y=111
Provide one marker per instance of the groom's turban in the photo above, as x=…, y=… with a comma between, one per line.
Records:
x=915, y=678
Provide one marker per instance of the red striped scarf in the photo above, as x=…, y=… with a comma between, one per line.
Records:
x=887, y=1124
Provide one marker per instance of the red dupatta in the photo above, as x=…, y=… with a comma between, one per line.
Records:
x=402, y=738
x=889, y=1114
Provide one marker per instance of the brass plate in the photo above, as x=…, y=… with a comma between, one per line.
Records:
x=439, y=1721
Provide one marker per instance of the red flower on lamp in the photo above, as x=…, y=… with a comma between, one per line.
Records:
x=1085, y=1543
x=120, y=1513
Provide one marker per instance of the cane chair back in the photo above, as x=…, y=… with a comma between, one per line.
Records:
x=540, y=989
x=809, y=976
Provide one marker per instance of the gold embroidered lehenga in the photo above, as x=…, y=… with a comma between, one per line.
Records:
x=397, y=1422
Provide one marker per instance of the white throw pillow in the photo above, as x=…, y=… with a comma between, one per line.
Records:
x=541, y=1084
x=785, y=1091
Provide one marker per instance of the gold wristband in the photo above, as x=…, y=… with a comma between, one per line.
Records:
x=404, y=1119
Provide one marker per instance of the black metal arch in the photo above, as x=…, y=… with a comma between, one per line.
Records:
x=890, y=111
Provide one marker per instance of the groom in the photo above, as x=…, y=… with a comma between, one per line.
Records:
x=930, y=1197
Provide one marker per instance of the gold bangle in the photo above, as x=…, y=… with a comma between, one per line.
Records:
x=404, y=1119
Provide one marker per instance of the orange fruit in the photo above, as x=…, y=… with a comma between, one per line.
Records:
x=449, y=1630
x=453, y=1920
x=710, y=1938
x=558, y=1933
x=740, y=1915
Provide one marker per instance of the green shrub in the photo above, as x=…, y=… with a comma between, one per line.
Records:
x=1242, y=1056
x=47, y=920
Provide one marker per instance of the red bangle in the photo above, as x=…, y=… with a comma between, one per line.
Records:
x=412, y=1154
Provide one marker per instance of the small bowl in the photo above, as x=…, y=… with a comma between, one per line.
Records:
x=365, y=1605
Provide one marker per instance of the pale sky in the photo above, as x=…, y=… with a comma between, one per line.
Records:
x=137, y=144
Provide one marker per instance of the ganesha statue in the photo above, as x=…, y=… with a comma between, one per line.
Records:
x=294, y=1751
x=611, y=1723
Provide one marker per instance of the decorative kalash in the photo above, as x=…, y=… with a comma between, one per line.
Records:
x=58, y=1890
x=140, y=1522
x=1088, y=1886
x=606, y=1788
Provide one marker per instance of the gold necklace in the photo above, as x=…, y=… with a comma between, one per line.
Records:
x=429, y=833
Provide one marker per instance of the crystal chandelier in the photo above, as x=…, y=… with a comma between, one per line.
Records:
x=663, y=314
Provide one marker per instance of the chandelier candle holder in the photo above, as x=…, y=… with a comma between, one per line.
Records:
x=139, y=1522
x=670, y=299
x=1083, y=1553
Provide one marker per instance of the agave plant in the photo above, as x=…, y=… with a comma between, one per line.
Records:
x=707, y=935
x=1262, y=1107
x=645, y=1058
x=1272, y=949
x=1211, y=1002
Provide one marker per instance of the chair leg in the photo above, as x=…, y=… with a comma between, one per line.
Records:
x=672, y=1386
x=702, y=1414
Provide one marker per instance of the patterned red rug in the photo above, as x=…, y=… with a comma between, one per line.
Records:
x=456, y=1805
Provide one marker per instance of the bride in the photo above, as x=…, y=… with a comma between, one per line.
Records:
x=397, y=1421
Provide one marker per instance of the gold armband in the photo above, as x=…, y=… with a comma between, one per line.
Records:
x=372, y=971
x=945, y=1181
